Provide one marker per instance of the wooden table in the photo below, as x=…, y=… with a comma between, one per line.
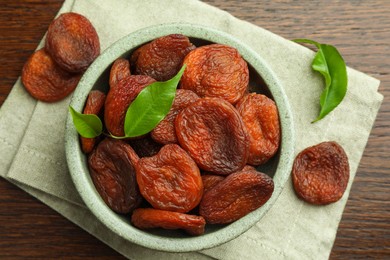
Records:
x=360, y=30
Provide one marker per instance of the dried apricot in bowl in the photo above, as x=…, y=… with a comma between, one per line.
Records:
x=216, y=70
x=112, y=169
x=162, y=58
x=120, y=69
x=237, y=195
x=94, y=105
x=320, y=173
x=118, y=100
x=146, y=218
x=165, y=132
x=170, y=180
x=212, y=132
x=260, y=116
x=211, y=180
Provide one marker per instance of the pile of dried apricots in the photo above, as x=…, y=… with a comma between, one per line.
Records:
x=197, y=165
x=53, y=72
x=192, y=167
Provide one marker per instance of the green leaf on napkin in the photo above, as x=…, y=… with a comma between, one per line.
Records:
x=87, y=125
x=151, y=106
x=331, y=65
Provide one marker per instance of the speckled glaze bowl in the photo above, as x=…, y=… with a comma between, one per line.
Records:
x=262, y=80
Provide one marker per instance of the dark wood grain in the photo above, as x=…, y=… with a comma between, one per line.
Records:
x=359, y=29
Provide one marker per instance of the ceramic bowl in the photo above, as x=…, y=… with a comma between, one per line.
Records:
x=96, y=77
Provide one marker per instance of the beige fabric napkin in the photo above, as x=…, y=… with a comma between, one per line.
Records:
x=32, y=134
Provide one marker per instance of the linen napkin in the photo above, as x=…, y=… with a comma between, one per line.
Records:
x=32, y=153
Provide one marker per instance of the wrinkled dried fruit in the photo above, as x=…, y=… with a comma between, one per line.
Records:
x=145, y=146
x=45, y=80
x=170, y=180
x=155, y=218
x=162, y=58
x=94, y=105
x=260, y=116
x=118, y=100
x=216, y=70
x=248, y=168
x=237, y=195
x=72, y=41
x=112, y=169
x=212, y=132
x=120, y=69
x=320, y=173
x=210, y=181
x=164, y=132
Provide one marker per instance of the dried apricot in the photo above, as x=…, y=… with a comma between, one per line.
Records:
x=320, y=173
x=260, y=116
x=237, y=195
x=145, y=146
x=216, y=70
x=118, y=100
x=170, y=180
x=248, y=168
x=94, y=105
x=45, y=80
x=164, y=132
x=210, y=181
x=112, y=169
x=212, y=132
x=162, y=58
x=73, y=42
x=146, y=218
x=120, y=69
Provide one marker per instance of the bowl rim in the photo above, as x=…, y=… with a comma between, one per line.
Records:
x=77, y=163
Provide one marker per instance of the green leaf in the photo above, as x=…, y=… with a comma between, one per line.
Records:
x=331, y=65
x=87, y=125
x=151, y=106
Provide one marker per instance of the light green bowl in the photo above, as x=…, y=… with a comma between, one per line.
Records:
x=96, y=77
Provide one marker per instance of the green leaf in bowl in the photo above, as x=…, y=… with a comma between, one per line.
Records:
x=151, y=106
x=87, y=125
